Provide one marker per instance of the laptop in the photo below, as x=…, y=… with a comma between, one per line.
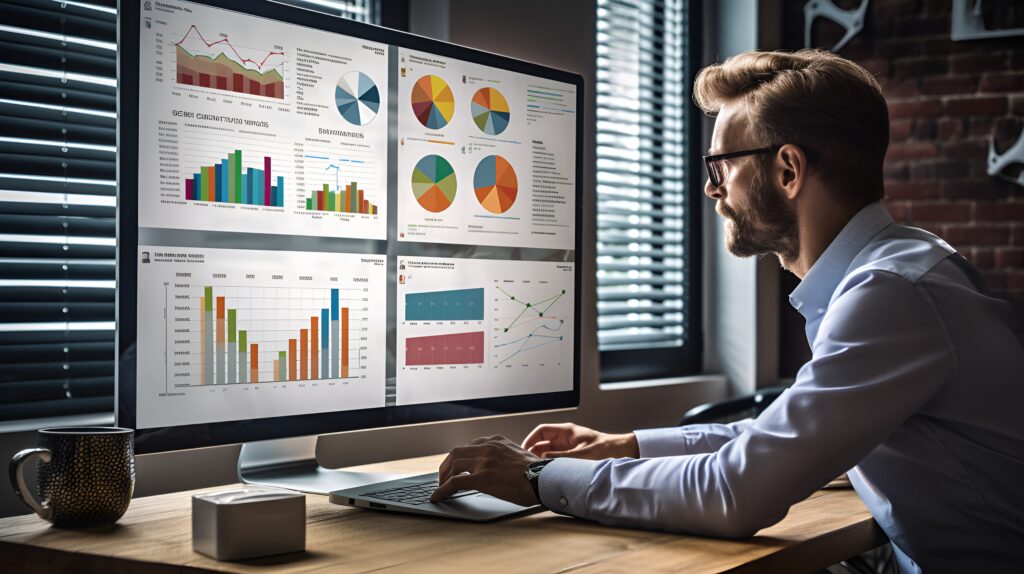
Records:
x=412, y=495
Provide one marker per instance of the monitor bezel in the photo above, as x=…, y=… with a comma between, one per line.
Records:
x=162, y=439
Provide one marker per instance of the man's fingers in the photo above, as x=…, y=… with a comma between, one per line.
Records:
x=453, y=485
x=544, y=432
x=457, y=466
x=539, y=448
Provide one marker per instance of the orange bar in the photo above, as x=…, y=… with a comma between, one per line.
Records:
x=202, y=337
x=303, y=354
x=291, y=359
x=220, y=321
x=361, y=203
x=254, y=363
x=277, y=368
x=344, y=342
x=314, y=360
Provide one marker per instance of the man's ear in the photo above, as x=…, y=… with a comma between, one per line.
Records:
x=790, y=170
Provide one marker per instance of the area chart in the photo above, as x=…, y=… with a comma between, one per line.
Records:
x=453, y=349
x=220, y=66
x=454, y=305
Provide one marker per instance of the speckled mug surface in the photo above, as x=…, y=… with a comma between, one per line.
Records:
x=86, y=475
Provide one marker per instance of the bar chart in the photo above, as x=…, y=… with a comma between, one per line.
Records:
x=321, y=349
x=234, y=334
x=225, y=182
x=341, y=185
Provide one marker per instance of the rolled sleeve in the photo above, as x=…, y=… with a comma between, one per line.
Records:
x=564, y=483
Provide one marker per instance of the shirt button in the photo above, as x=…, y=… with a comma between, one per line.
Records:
x=563, y=502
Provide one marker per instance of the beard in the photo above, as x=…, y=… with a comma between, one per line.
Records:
x=768, y=225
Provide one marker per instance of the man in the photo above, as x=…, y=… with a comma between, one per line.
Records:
x=915, y=385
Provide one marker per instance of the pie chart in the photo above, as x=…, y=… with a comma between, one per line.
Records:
x=490, y=111
x=495, y=184
x=433, y=183
x=432, y=102
x=357, y=98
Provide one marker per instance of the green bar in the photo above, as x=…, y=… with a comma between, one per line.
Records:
x=282, y=358
x=231, y=325
x=242, y=348
x=233, y=190
x=309, y=203
x=329, y=201
x=236, y=173
x=354, y=199
x=208, y=294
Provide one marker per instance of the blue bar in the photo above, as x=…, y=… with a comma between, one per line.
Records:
x=323, y=328
x=220, y=192
x=195, y=186
x=280, y=191
x=334, y=304
x=249, y=179
x=222, y=181
x=455, y=305
x=245, y=182
x=246, y=196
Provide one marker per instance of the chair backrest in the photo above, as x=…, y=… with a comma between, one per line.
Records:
x=733, y=409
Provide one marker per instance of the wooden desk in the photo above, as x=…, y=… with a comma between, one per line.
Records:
x=155, y=536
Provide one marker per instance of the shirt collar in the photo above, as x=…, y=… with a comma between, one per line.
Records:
x=812, y=295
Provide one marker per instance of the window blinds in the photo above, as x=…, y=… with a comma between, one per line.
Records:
x=641, y=174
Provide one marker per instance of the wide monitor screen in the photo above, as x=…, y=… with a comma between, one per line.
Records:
x=326, y=226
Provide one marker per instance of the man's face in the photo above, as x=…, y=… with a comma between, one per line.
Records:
x=759, y=221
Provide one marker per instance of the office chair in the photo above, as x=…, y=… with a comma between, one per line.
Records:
x=731, y=410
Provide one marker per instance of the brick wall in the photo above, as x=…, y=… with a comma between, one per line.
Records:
x=946, y=101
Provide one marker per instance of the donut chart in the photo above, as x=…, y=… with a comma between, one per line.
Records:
x=357, y=98
x=432, y=102
x=495, y=184
x=434, y=183
x=490, y=111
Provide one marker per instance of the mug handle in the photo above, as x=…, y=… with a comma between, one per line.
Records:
x=17, y=475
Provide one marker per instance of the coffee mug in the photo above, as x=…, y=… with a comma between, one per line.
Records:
x=86, y=475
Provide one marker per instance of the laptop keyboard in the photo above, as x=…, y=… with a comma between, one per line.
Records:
x=415, y=494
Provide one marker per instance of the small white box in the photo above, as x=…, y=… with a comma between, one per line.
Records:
x=248, y=523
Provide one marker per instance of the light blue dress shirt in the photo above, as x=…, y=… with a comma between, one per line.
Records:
x=915, y=386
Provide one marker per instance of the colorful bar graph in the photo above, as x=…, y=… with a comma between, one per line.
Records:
x=229, y=356
x=351, y=201
x=454, y=349
x=224, y=182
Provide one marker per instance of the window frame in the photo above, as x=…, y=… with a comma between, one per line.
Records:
x=666, y=362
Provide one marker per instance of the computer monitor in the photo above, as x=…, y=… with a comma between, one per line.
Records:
x=327, y=226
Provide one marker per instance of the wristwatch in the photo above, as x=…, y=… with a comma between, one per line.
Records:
x=533, y=473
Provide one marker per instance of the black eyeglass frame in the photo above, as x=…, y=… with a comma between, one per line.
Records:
x=709, y=159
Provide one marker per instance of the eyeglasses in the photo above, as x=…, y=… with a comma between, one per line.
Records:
x=717, y=167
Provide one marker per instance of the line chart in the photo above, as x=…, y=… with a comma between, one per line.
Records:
x=227, y=42
x=534, y=325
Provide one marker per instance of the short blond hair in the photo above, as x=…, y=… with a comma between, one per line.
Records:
x=828, y=106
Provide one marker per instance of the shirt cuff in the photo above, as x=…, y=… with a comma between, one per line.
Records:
x=564, y=484
x=671, y=441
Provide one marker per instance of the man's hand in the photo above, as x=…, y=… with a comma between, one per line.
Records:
x=495, y=465
x=574, y=441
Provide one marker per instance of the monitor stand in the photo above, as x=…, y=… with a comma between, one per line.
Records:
x=291, y=463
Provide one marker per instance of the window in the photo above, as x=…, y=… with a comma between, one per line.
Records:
x=647, y=235
x=58, y=199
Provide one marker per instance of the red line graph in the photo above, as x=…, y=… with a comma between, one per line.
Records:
x=259, y=65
